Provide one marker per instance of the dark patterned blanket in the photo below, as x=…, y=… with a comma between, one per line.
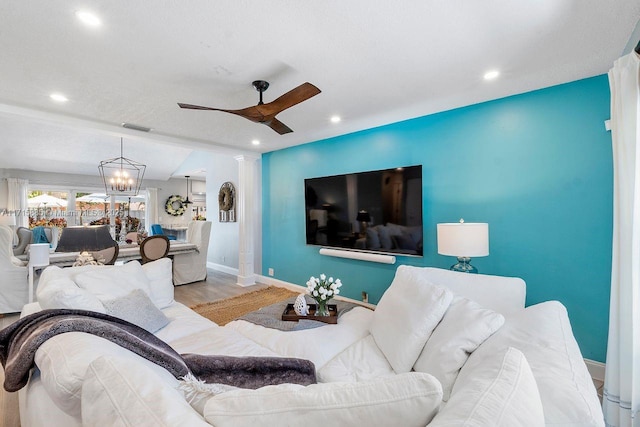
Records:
x=20, y=341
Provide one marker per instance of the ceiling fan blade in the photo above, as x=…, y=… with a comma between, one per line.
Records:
x=251, y=113
x=289, y=99
x=278, y=126
x=196, y=107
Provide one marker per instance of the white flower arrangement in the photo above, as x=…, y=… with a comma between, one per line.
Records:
x=323, y=289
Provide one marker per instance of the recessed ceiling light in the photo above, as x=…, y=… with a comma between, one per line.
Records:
x=490, y=75
x=58, y=97
x=255, y=142
x=88, y=18
x=335, y=119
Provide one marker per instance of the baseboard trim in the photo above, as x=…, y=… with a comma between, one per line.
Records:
x=596, y=369
x=303, y=290
x=222, y=268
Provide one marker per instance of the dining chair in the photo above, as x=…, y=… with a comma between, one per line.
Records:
x=156, y=230
x=132, y=235
x=107, y=256
x=154, y=247
x=192, y=267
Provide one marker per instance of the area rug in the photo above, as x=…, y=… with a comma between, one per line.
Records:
x=228, y=309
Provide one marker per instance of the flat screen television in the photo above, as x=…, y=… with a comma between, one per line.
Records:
x=374, y=211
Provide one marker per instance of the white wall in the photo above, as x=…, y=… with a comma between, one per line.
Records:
x=223, y=247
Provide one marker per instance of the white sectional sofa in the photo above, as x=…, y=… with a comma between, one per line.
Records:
x=441, y=348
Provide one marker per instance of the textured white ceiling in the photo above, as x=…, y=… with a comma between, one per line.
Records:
x=376, y=62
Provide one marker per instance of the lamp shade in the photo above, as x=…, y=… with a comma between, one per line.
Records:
x=85, y=238
x=463, y=239
x=39, y=254
x=7, y=220
x=363, y=216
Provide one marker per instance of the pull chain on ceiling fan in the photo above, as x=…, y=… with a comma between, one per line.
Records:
x=266, y=113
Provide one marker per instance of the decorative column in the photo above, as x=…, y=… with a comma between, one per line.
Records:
x=245, y=216
x=71, y=215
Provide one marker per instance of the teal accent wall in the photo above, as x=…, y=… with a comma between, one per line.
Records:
x=537, y=167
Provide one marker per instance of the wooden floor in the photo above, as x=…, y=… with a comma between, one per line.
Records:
x=217, y=286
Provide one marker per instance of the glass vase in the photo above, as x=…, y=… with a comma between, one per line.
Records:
x=322, y=309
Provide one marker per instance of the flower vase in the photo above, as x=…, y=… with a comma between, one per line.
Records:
x=321, y=308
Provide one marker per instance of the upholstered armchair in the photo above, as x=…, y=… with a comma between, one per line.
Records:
x=192, y=267
x=25, y=238
x=14, y=288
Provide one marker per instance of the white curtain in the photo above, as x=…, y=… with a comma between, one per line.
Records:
x=151, y=209
x=17, y=200
x=621, y=397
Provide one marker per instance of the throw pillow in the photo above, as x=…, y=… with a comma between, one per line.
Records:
x=406, y=315
x=119, y=393
x=137, y=308
x=56, y=290
x=404, y=241
x=408, y=400
x=385, y=237
x=500, y=392
x=108, y=282
x=463, y=328
x=373, y=242
x=160, y=277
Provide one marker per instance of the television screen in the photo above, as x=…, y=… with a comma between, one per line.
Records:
x=375, y=211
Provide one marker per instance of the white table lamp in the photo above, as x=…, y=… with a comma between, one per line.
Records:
x=463, y=240
x=38, y=257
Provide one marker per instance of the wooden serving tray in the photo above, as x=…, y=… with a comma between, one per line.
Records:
x=289, y=314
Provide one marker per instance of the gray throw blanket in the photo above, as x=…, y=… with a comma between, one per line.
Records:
x=20, y=341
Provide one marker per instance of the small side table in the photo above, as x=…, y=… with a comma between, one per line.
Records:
x=38, y=258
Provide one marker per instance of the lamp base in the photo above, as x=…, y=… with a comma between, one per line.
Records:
x=463, y=266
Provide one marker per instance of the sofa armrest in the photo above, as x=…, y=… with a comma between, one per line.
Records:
x=543, y=333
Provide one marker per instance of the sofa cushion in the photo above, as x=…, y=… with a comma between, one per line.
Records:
x=410, y=399
x=57, y=290
x=117, y=392
x=108, y=282
x=406, y=315
x=319, y=345
x=137, y=308
x=497, y=391
x=362, y=361
x=463, y=328
x=543, y=333
x=160, y=276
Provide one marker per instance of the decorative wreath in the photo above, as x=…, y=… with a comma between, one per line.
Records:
x=225, y=197
x=174, y=205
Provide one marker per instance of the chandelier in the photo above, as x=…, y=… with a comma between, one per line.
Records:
x=121, y=176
